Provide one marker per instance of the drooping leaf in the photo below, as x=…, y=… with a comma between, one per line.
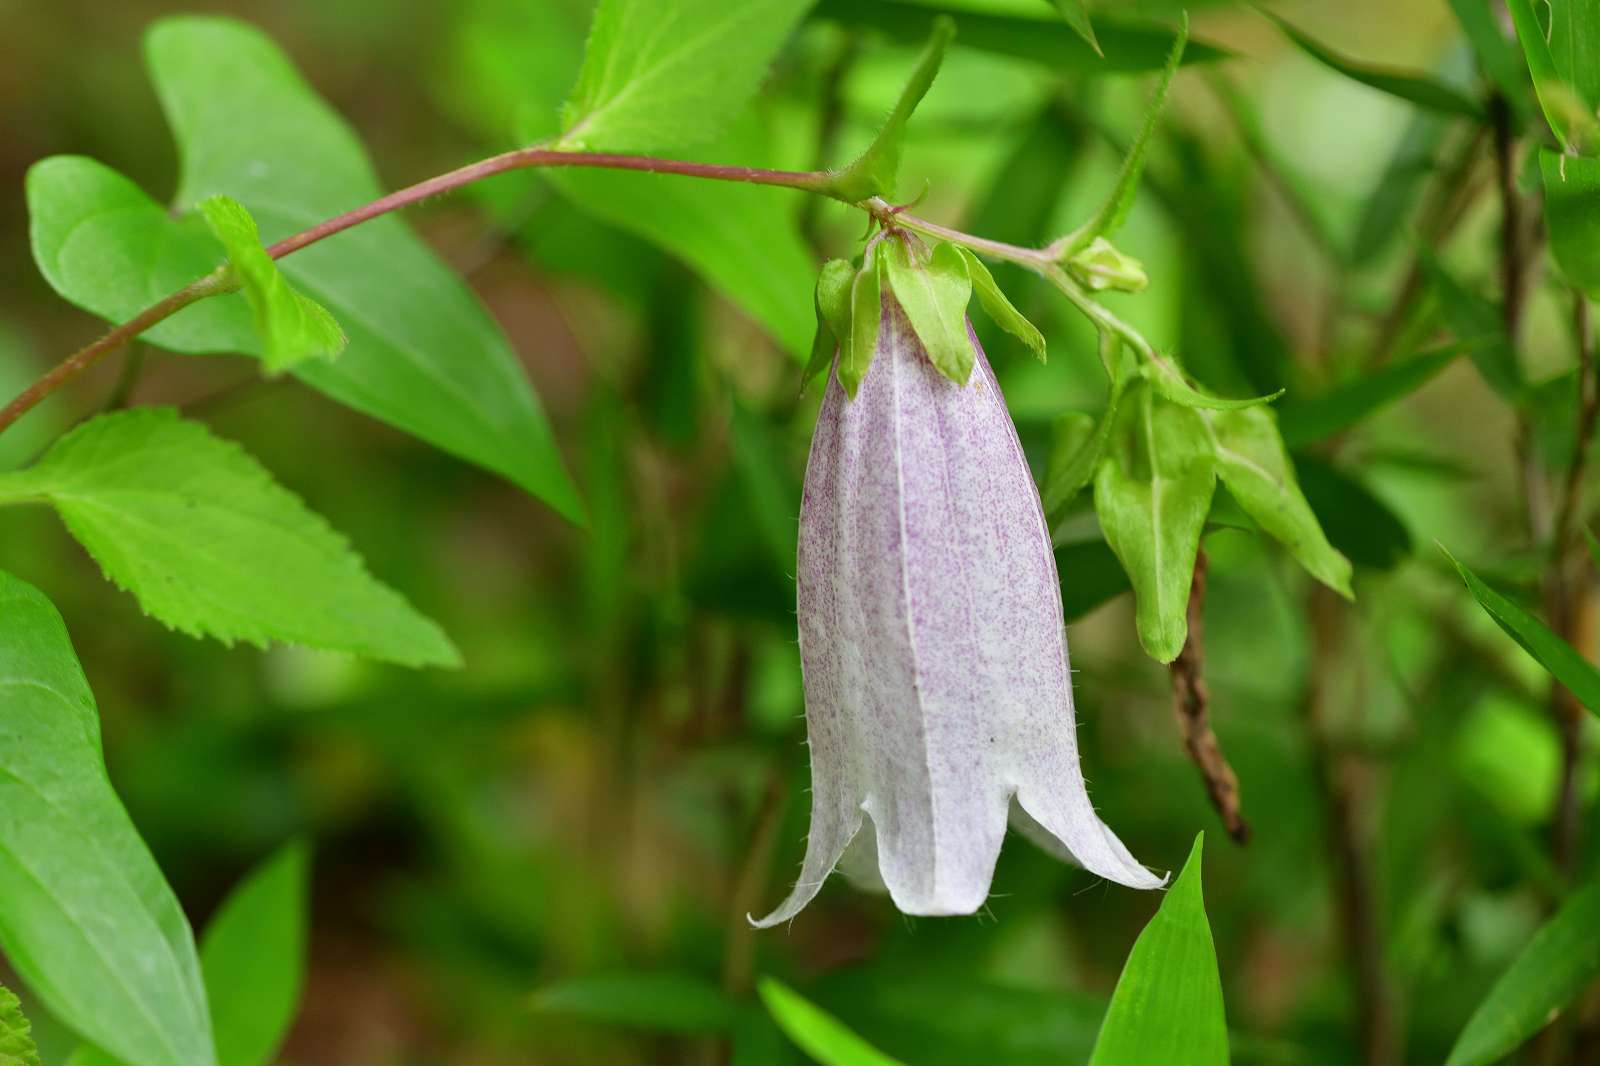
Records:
x=1108, y=218
x=818, y=1033
x=210, y=545
x=664, y=1001
x=933, y=291
x=16, y=1035
x=290, y=325
x=1572, y=120
x=1167, y=1006
x=1572, y=216
x=999, y=308
x=1165, y=377
x=1558, y=657
x=866, y=315
x=1361, y=526
x=1561, y=960
x=253, y=957
x=1344, y=406
x=662, y=75
x=874, y=171
x=423, y=354
x=1425, y=92
x=1152, y=493
x=1477, y=324
x=1075, y=13
x=833, y=315
x=1252, y=463
x=86, y=918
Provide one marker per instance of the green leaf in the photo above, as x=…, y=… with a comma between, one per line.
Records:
x=667, y=75
x=1497, y=54
x=423, y=356
x=818, y=1033
x=1425, y=92
x=253, y=958
x=875, y=170
x=1572, y=216
x=1360, y=525
x=1108, y=218
x=1080, y=441
x=1571, y=120
x=86, y=919
x=1091, y=575
x=1575, y=47
x=1477, y=324
x=833, y=315
x=662, y=1002
x=212, y=546
x=934, y=292
x=1344, y=406
x=16, y=1035
x=866, y=318
x=1167, y=1006
x=1125, y=47
x=1393, y=197
x=1554, y=654
x=1561, y=960
x=1252, y=463
x=1075, y=13
x=290, y=325
x=1151, y=494
x=1165, y=377
x=1000, y=309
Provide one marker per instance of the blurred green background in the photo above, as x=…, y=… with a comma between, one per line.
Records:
x=547, y=856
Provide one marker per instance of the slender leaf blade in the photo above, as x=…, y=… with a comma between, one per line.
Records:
x=651, y=1001
x=1425, y=92
x=1342, y=407
x=1075, y=13
x=818, y=1033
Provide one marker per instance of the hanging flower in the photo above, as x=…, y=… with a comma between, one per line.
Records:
x=938, y=692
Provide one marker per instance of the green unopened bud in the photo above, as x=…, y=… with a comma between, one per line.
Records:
x=1100, y=266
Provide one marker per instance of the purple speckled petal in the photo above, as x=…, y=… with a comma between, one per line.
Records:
x=938, y=695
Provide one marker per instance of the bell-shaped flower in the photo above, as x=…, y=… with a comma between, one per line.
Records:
x=938, y=693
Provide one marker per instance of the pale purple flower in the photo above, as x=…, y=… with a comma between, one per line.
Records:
x=938, y=694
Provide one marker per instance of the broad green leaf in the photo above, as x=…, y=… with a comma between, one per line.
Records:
x=1152, y=493
x=1125, y=47
x=1572, y=216
x=16, y=1035
x=833, y=315
x=1167, y=1006
x=1252, y=463
x=1361, y=526
x=1558, y=657
x=874, y=171
x=210, y=545
x=661, y=74
x=1571, y=120
x=663, y=1002
x=1418, y=89
x=290, y=325
x=866, y=317
x=1477, y=324
x=423, y=355
x=1347, y=405
x=1075, y=13
x=1000, y=309
x=86, y=919
x=1575, y=47
x=933, y=289
x=1108, y=218
x=253, y=958
x=1561, y=960
x=818, y=1033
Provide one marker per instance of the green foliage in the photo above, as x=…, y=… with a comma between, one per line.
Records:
x=1425, y=92
x=86, y=918
x=423, y=354
x=933, y=289
x=290, y=325
x=1346, y=406
x=1561, y=960
x=1498, y=56
x=1572, y=215
x=253, y=959
x=866, y=318
x=999, y=308
x=819, y=1033
x=833, y=315
x=16, y=1035
x=212, y=546
x=1571, y=118
x=1477, y=325
x=1075, y=13
x=1168, y=1003
x=665, y=1002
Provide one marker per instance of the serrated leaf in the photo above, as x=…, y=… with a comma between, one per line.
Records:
x=833, y=315
x=866, y=315
x=253, y=958
x=999, y=308
x=1255, y=467
x=874, y=171
x=1075, y=13
x=1571, y=120
x=1167, y=1006
x=1152, y=493
x=1425, y=92
x=1476, y=322
x=199, y=532
x=1572, y=216
x=1347, y=405
x=661, y=1001
x=1561, y=960
x=934, y=292
x=423, y=354
x=16, y=1035
x=290, y=325
x=1558, y=657
x=663, y=74
x=818, y=1033
x=89, y=922
x=1108, y=218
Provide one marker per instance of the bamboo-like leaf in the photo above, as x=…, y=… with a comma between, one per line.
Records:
x=1342, y=407
x=1417, y=89
x=818, y=1033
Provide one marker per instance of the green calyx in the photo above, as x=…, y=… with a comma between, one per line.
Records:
x=1100, y=266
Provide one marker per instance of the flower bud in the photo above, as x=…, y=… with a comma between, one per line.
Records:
x=1100, y=266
